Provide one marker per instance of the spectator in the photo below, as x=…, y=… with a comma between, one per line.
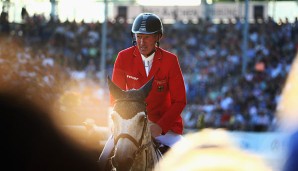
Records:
x=4, y=23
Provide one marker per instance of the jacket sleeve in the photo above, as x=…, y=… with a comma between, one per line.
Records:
x=178, y=97
x=118, y=75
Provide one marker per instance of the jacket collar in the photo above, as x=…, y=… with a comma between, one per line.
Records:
x=155, y=65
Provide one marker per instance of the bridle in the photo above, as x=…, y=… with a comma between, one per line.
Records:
x=138, y=143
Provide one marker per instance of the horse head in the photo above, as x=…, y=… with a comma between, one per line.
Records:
x=131, y=132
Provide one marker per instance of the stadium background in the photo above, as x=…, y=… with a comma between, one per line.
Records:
x=236, y=57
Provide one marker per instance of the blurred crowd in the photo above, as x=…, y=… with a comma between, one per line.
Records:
x=222, y=90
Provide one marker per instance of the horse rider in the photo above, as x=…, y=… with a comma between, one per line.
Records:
x=136, y=65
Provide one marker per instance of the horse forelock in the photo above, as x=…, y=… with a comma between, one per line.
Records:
x=130, y=104
x=128, y=109
x=135, y=94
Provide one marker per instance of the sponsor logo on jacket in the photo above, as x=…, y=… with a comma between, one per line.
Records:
x=132, y=77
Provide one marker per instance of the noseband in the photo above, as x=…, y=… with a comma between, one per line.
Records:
x=137, y=143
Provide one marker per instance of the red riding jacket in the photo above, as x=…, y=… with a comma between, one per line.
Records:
x=167, y=97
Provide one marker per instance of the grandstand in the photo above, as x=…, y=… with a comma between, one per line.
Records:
x=66, y=54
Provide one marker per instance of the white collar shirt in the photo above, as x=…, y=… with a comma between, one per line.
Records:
x=148, y=62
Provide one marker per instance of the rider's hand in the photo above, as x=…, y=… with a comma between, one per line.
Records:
x=155, y=130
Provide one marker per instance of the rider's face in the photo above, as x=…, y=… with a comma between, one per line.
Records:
x=146, y=43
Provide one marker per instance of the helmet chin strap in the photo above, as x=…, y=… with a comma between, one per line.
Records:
x=159, y=37
x=134, y=42
x=151, y=53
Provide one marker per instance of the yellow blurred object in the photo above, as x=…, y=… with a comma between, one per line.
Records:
x=210, y=150
x=70, y=98
x=287, y=110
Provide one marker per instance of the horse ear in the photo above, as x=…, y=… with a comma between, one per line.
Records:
x=146, y=88
x=115, y=91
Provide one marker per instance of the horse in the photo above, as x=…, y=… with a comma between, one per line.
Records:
x=134, y=148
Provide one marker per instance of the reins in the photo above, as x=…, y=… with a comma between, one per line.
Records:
x=135, y=142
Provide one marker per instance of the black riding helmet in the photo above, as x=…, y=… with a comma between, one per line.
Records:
x=146, y=23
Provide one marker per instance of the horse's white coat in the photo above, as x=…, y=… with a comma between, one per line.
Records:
x=125, y=148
